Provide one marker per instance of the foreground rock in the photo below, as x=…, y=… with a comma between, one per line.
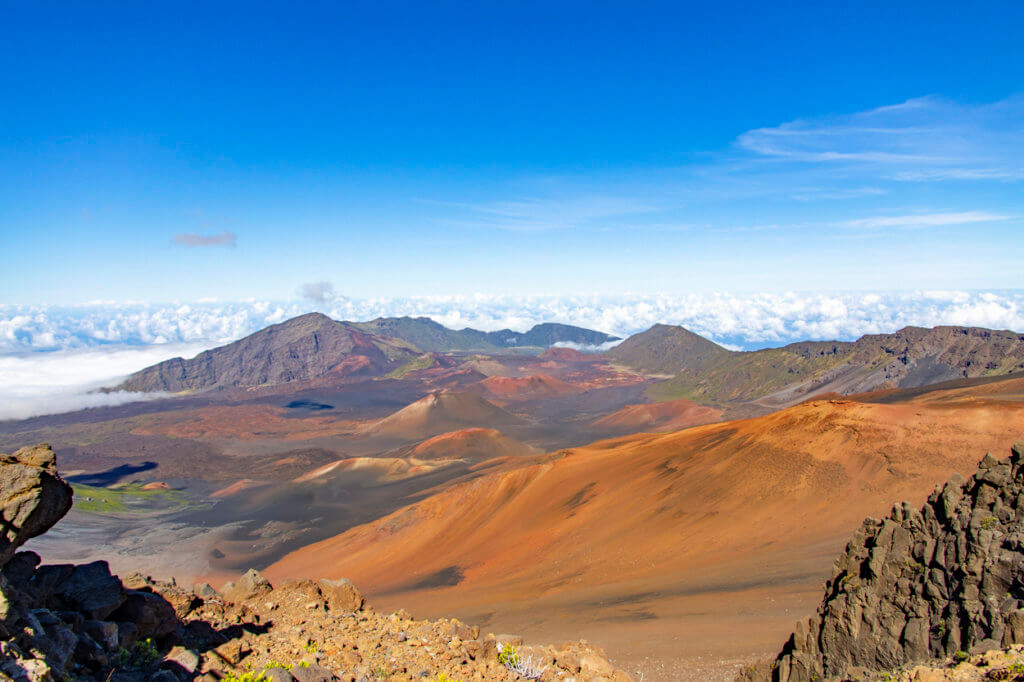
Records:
x=80, y=622
x=1006, y=665
x=32, y=497
x=944, y=580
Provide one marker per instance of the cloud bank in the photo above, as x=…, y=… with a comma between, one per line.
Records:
x=747, y=321
x=51, y=357
x=62, y=381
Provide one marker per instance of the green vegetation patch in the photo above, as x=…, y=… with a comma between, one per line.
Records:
x=128, y=498
x=747, y=376
x=414, y=365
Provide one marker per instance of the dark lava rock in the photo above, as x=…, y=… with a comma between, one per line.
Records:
x=921, y=583
x=93, y=591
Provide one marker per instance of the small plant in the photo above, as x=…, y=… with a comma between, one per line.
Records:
x=988, y=523
x=509, y=657
x=311, y=648
x=960, y=657
x=142, y=655
x=443, y=677
x=244, y=677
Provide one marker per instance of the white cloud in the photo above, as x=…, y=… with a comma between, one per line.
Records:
x=921, y=220
x=746, y=319
x=318, y=292
x=588, y=348
x=97, y=344
x=38, y=383
x=923, y=139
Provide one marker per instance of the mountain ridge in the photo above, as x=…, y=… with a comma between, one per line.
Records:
x=908, y=358
x=313, y=345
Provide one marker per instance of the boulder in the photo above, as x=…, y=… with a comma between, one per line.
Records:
x=20, y=568
x=251, y=584
x=92, y=590
x=206, y=591
x=103, y=632
x=32, y=497
x=152, y=615
x=341, y=595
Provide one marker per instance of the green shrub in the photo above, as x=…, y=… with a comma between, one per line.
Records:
x=142, y=655
x=508, y=656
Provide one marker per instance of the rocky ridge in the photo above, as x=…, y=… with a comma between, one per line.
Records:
x=944, y=580
x=80, y=622
x=909, y=358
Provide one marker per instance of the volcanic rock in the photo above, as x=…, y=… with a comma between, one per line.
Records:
x=32, y=496
x=921, y=584
x=341, y=595
x=92, y=590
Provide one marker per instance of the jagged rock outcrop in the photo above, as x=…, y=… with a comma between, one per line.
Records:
x=32, y=497
x=922, y=583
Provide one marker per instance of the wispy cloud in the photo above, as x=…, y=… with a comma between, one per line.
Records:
x=815, y=194
x=925, y=220
x=225, y=238
x=536, y=214
x=922, y=139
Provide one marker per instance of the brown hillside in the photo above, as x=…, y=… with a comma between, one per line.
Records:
x=439, y=412
x=303, y=348
x=537, y=386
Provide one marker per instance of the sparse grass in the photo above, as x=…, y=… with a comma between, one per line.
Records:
x=745, y=377
x=125, y=499
x=232, y=676
x=414, y=365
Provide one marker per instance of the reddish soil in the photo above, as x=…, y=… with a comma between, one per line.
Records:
x=156, y=485
x=537, y=386
x=654, y=417
x=697, y=547
x=237, y=487
x=477, y=443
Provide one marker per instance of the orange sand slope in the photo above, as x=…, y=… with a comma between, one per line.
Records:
x=668, y=416
x=649, y=505
x=474, y=444
x=643, y=529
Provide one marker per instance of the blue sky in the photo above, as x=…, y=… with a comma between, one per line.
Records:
x=179, y=152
